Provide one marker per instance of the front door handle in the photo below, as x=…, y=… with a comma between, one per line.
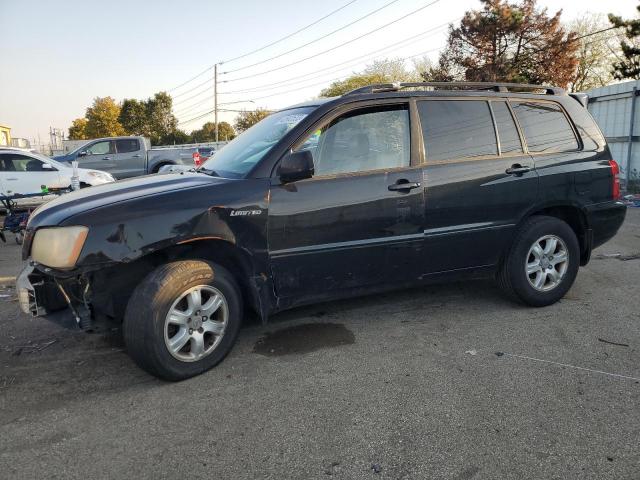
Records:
x=403, y=186
x=106, y=158
x=137, y=155
x=517, y=169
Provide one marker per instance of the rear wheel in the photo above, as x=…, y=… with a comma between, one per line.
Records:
x=183, y=319
x=542, y=263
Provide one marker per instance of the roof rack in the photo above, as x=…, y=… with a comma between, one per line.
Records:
x=496, y=87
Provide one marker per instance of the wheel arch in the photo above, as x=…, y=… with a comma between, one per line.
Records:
x=574, y=216
x=254, y=287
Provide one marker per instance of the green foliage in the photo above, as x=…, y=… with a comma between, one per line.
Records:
x=176, y=138
x=381, y=71
x=629, y=65
x=161, y=121
x=248, y=118
x=152, y=118
x=102, y=119
x=77, y=130
x=208, y=133
x=133, y=117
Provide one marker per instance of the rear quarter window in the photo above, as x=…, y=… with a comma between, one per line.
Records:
x=127, y=145
x=545, y=126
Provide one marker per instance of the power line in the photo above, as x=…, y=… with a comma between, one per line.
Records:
x=288, y=36
x=337, y=46
x=200, y=115
x=291, y=81
x=206, y=82
x=314, y=40
x=336, y=68
x=191, y=79
x=263, y=47
x=353, y=61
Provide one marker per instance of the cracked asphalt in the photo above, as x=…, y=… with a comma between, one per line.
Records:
x=450, y=381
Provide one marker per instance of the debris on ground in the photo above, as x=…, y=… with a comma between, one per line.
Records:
x=619, y=256
x=32, y=348
x=471, y=352
x=612, y=343
x=499, y=354
x=376, y=468
x=632, y=200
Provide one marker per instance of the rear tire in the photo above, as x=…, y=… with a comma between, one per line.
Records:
x=169, y=329
x=542, y=263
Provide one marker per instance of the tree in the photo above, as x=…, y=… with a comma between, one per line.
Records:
x=380, y=71
x=248, y=118
x=176, y=137
x=629, y=65
x=77, y=130
x=102, y=119
x=594, y=53
x=133, y=117
x=208, y=132
x=151, y=118
x=161, y=121
x=512, y=43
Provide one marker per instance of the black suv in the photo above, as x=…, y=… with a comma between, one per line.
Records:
x=385, y=187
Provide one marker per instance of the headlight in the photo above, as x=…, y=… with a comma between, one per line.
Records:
x=58, y=247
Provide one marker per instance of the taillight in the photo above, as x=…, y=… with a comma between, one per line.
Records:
x=197, y=161
x=615, y=185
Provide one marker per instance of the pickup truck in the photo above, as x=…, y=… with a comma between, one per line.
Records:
x=125, y=157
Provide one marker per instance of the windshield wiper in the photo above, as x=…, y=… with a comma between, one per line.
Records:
x=207, y=171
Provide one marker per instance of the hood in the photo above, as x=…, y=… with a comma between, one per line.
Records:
x=70, y=204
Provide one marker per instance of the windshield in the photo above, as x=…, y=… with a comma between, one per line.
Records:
x=243, y=152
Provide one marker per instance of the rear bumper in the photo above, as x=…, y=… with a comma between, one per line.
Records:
x=605, y=219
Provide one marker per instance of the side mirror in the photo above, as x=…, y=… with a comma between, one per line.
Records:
x=83, y=153
x=296, y=166
x=47, y=166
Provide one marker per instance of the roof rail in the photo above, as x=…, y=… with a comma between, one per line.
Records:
x=496, y=87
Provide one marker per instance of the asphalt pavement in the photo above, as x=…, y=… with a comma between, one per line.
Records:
x=450, y=381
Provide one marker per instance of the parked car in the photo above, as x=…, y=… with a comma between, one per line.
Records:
x=385, y=187
x=25, y=172
x=126, y=157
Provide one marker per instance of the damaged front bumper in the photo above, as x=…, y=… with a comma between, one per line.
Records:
x=41, y=295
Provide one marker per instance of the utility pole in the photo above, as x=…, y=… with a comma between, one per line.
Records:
x=215, y=97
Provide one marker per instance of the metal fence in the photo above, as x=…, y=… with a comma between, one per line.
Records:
x=614, y=109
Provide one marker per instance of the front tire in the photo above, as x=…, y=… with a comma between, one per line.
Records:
x=183, y=319
x=542, y=263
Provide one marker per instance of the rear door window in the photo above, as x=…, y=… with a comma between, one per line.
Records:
x=507, y=132
x=127, y=145
x=545, y=127
x=457, y=129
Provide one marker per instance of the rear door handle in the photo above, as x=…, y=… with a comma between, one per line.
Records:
x=106, y=158
x=137, y=155
x=405, y=186
x=517, y=169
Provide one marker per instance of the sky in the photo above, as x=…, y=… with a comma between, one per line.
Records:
x=57, y=56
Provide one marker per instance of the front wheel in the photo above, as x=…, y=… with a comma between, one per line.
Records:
x=542, y=263
x=183, y=319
